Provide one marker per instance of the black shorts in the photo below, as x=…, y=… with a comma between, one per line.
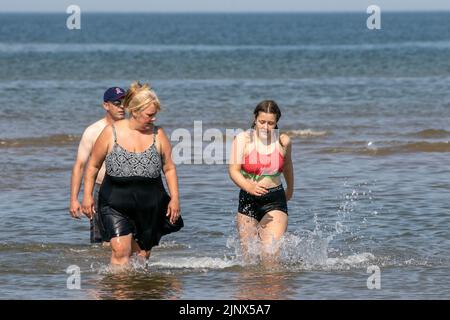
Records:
x=134, y=205
x=257, y=206
x=116, y=224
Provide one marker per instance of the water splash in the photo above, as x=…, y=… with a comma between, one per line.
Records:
x=302, y=251
x=339, y=240
x=167, y=245
x=201, y=263
x=335, y=243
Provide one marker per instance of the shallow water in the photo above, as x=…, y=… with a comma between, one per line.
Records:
x=368, y=115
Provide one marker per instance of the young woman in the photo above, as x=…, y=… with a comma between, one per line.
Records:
x=133, y=203
x=259, y=156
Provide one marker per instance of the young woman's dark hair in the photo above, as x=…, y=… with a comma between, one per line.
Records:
x=267, y=106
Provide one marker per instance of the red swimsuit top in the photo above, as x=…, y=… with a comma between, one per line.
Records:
x=258, y=164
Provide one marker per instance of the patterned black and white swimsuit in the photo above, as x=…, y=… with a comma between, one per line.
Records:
x=132, y=197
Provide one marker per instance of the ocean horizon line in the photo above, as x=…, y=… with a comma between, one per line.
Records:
x=281, y=12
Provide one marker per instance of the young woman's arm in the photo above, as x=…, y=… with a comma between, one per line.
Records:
x=234, y=167
x=288, y=170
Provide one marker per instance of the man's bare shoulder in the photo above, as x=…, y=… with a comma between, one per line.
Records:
x=92, y=132
x=96, y=128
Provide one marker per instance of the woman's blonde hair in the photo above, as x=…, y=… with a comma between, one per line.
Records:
x=139, y=96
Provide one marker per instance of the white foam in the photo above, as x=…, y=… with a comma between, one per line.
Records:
x=306, y=133
x=172, y=245
x=194, y=263
x=108, y=47
x=352, y=260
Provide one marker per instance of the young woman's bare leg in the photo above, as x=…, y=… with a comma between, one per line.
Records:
x=271, y=228
x=248, y=233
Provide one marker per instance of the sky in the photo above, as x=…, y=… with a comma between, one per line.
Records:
x=222, y=5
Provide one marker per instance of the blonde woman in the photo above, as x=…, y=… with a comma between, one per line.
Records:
x=135, y=209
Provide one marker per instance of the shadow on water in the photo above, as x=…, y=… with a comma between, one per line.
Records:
x=142, y=286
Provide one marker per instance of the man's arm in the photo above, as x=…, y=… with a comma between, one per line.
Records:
x=99, y=152
x=84, y=150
